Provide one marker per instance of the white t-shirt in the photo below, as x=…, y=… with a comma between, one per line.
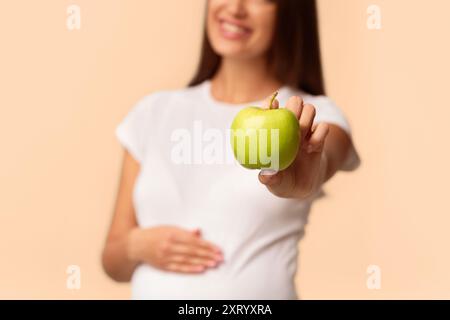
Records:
x=257, y=231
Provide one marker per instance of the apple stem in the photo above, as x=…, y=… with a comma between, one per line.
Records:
x=274, y=95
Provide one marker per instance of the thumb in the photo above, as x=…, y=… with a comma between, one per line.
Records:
x=269, y=177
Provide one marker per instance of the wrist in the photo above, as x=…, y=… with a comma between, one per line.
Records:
x=133, y=244
x=323, y=171
x=320, y=178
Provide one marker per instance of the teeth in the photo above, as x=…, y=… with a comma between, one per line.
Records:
x=233, y=28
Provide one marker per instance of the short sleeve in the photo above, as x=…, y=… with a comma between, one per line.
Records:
x=132, y=130
x=327, y=111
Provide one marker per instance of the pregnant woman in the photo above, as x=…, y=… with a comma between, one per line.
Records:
x=185, y=227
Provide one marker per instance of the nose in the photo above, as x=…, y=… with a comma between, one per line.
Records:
x=236, y=8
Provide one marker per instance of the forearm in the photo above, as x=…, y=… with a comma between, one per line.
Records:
x=336, y=148
x=329, y=167
x=324, y=173
x=118, y=259
x=330, y=163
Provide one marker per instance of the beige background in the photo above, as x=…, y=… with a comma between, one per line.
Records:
x=63, y=93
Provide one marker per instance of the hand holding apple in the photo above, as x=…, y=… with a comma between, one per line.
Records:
x=307, y=172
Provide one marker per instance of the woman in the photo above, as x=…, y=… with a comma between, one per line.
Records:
x=200, y=230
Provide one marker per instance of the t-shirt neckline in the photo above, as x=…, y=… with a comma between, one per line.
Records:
x=206, y=90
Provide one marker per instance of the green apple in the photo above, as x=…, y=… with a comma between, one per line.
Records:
x=265, y=138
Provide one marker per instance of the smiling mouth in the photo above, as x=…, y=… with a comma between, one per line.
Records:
x=232, y=30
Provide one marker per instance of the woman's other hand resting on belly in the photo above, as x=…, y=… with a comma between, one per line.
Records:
x=173, y=249
x=165, y=247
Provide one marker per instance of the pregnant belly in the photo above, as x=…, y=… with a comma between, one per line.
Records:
x=260, y=280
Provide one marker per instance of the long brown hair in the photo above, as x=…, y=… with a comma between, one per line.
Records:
x=294, y=56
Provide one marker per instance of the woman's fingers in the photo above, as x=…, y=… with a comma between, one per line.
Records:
x=197, y=232
x=317, y=139
x=196, y=251
x=186, y=237
x=270, y=179
x=306, y=114
x=193, y=260
x=187, y=258
x=191, y=244
x=282, y=184
x=189, y=253
x=295, y=104
x=306, y=120
x=183, y=268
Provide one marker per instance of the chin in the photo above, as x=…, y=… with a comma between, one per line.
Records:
x=234, y=52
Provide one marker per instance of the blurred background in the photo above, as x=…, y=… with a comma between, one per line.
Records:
x=63, y=92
